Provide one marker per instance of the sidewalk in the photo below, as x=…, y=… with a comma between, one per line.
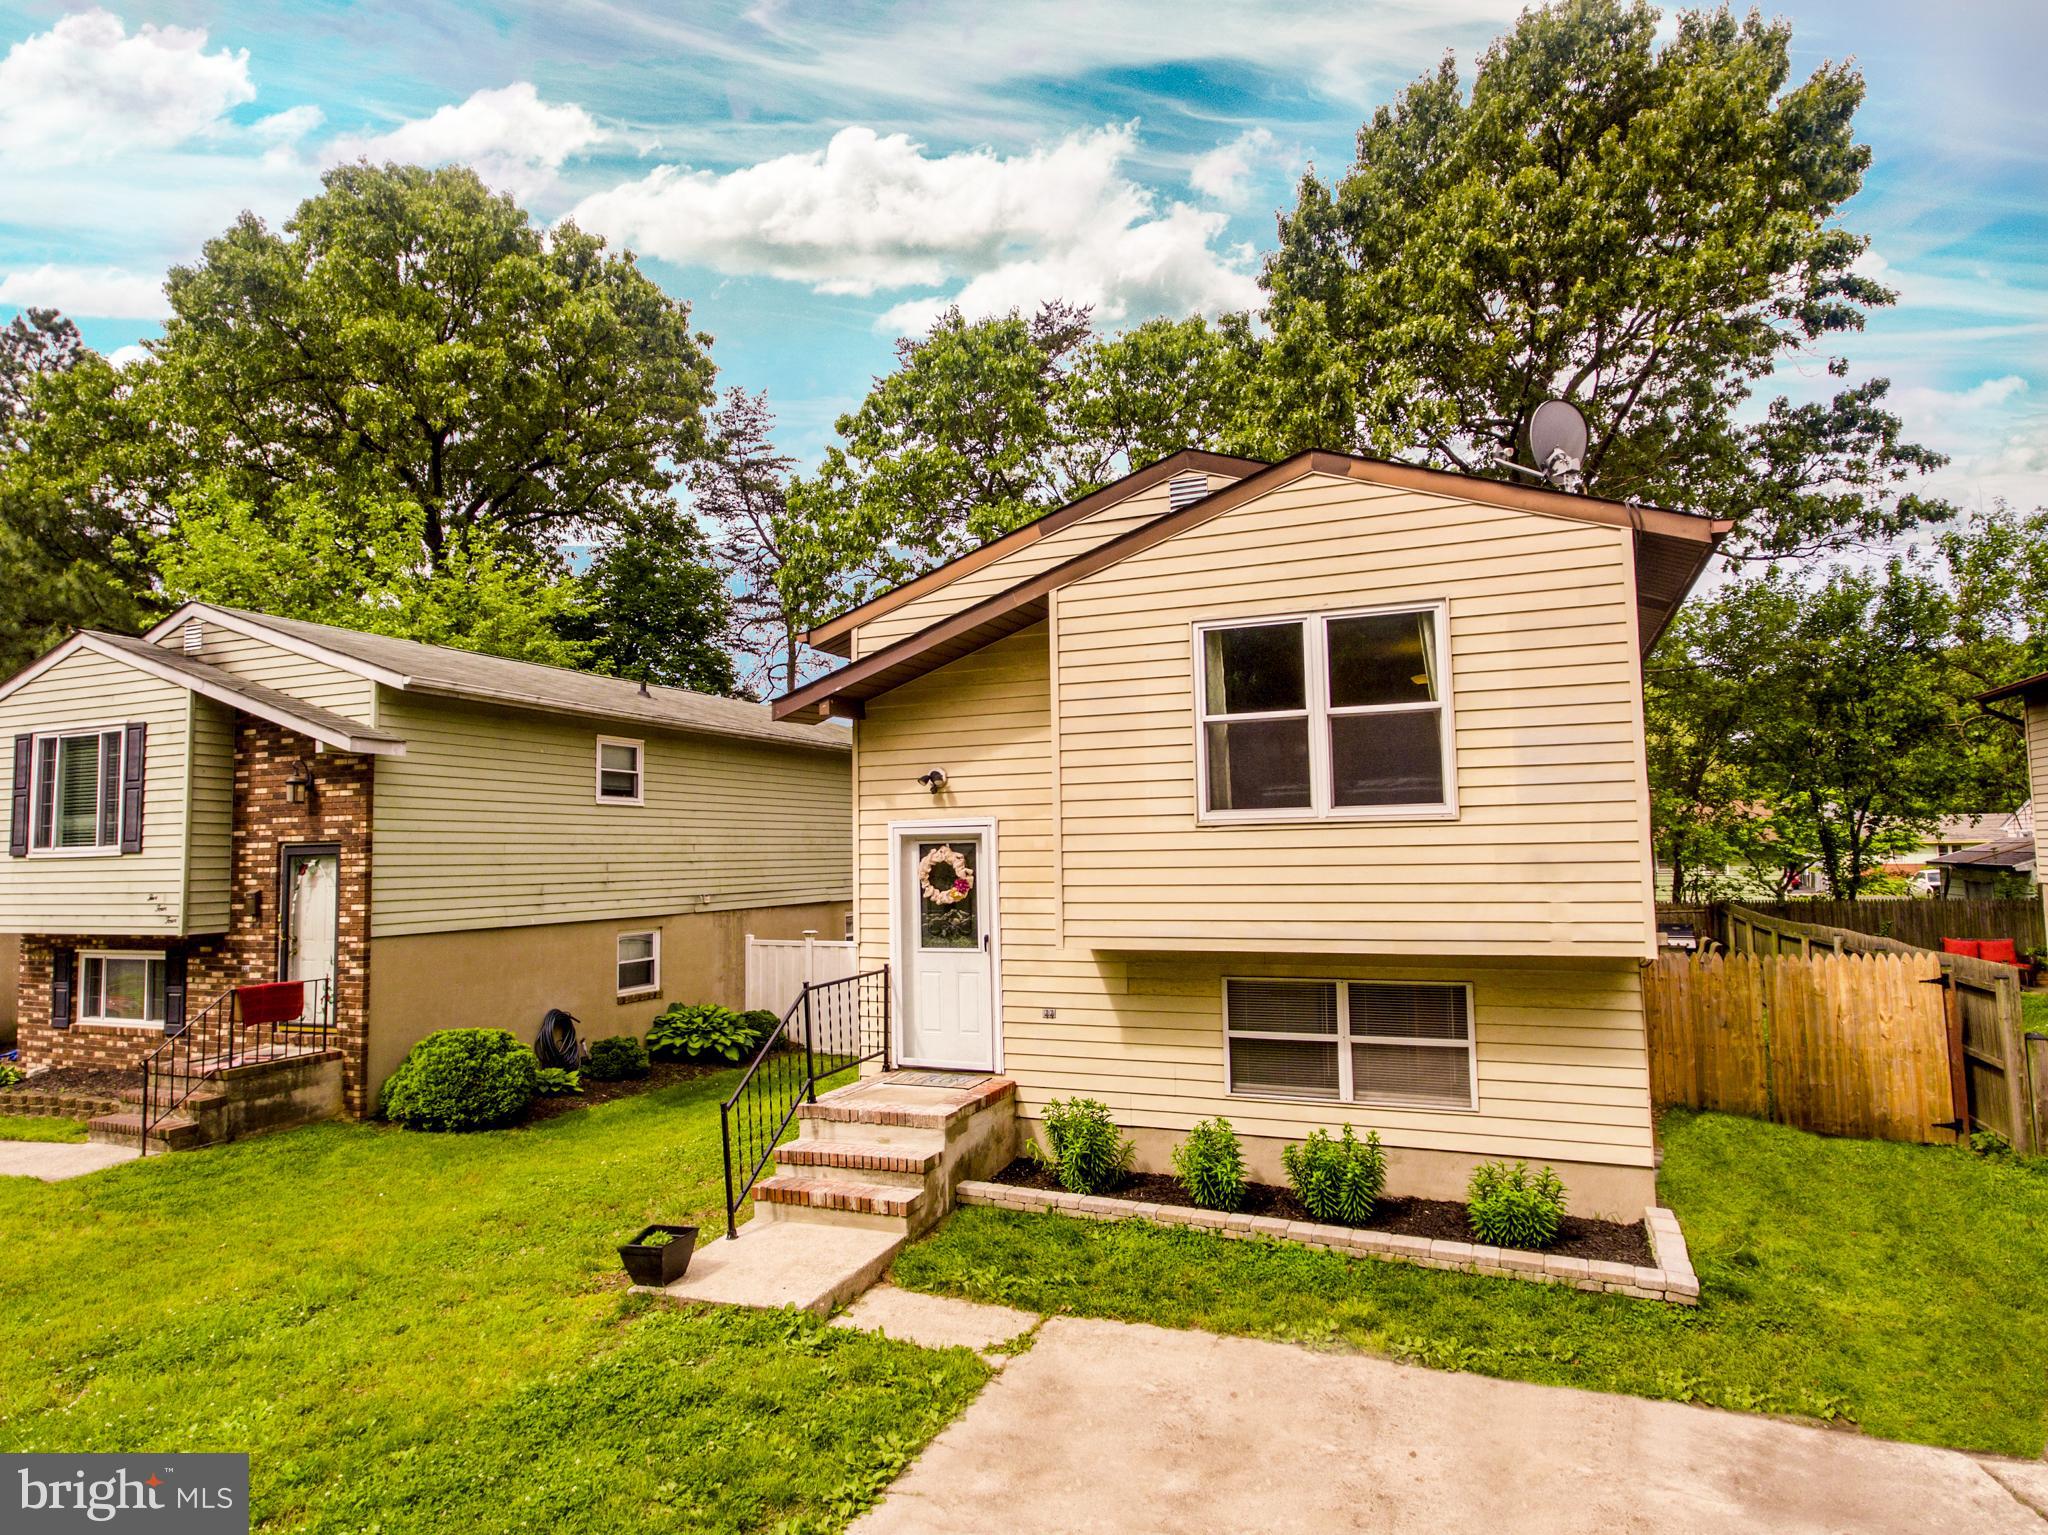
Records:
x=1104, y=1426
x=53, y=1162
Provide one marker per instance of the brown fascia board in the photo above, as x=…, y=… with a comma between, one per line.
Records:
x=1025, y=603
x=835, y=635
x=2024, y=685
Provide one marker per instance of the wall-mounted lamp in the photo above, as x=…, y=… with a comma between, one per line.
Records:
x=298, y=789
x=935, y=780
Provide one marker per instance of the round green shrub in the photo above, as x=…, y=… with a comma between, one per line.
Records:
x=616, y=1059
x=460, y=1079
x=1513, y=1207
x=761, y=1023
x=704, y=1032
x=1337, y=1180
x=1211, y=1165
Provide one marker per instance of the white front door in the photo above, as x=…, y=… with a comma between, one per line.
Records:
x=945, y=905
x=310, y=881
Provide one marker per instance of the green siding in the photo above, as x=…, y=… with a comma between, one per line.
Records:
x=490, y=819
x=260, y=661
x=208, y=853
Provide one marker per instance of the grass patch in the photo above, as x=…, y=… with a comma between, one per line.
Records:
x=431, y=1333
x=39, y=1127
x=1893, y=1286
x=2034, y=1011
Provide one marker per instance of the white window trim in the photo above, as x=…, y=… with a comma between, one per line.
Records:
x=639, y=771
x=619, y=962
x=81, y=1019
x=1319, y=713
x=1344, y=1039
x=35, y=783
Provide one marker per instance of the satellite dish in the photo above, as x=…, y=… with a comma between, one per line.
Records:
x=1557, y=440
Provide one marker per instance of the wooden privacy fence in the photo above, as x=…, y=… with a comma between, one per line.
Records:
x=1922, y=923
x=1854, y=1044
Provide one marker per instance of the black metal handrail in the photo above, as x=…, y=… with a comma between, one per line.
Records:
x=217, y=1038
x=832, y=1027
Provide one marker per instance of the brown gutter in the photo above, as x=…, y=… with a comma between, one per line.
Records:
x=833, y=634
x=2024, y=685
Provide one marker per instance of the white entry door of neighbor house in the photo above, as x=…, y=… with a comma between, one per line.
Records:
x=311, y=915
x=945, y=910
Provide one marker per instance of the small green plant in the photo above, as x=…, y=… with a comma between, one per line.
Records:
x=701, y=1032
x=555, y=1082
x=761, y=1023
x=658, y=1239
x=1211, y=1165
x=1989, y=1143
x=460, y=1079
x=615, y=1059
x=1337, y=1179
x=1088, y=1153
x=11, y=1075
x=1513, y=1207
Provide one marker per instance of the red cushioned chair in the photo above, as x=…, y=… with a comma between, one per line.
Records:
x=2002, y=951
x=1971, y=947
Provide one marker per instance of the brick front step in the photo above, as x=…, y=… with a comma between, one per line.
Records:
x=191, y=1101
x=853, y=1198
x=892, y=1102
x=859, y=1156
x=172, y=1133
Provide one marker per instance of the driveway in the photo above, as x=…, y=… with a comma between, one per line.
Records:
x=1102, y=1426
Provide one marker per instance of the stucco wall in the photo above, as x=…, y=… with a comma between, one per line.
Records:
x=509, y=977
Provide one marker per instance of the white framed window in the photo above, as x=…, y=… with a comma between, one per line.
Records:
x=121, y=987
x=639, y=962
x=75, y=793
x=620, y=776
x=1405, y=1044
x=1324, y=716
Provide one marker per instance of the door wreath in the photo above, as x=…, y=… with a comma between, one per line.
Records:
x=948, y=891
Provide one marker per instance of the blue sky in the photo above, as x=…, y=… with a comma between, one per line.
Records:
x=816, y=177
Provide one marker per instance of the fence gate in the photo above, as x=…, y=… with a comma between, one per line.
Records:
x=778, y=969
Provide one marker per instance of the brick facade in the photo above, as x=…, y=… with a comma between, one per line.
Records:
x=336, y=811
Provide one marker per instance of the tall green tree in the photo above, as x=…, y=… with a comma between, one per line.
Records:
x=655, y=607
x=1645, y=231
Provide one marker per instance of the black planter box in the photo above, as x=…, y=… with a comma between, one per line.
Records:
x=657, y=1267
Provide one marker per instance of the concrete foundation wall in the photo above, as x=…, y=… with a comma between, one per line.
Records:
x=508, y=978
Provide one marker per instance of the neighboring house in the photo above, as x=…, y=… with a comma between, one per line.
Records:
x=1302, y=793
x=453, y=838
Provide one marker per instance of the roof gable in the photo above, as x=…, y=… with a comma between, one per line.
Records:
x=1670, y=549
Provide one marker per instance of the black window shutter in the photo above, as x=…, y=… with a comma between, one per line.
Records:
x=62, y=963
x=174, y=993
x=18, y=803
x=131, y=789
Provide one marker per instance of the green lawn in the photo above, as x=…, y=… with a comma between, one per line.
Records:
x=429, y=1333
x=1902, y=1288
x=38, y=1127
x=2034, y=1011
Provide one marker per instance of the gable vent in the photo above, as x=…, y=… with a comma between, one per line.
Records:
x=1185, y=489
x=194, y=636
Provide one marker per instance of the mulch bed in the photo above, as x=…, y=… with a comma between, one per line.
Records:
x=80, y=1081
x=664, y=1074
x=1438, y=1219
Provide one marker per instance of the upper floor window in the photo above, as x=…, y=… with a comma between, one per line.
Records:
x=76, y=792
x=619, y=771
x=1339, y=714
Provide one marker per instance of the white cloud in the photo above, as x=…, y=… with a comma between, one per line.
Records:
x=513, y=139
x=872, y=213
x=86, y=89
x=1225, y=172
x=101, y=293
x=288, y=126
x=122, y=356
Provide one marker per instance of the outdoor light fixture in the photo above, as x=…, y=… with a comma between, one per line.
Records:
x=935, y=780
x=298, y=789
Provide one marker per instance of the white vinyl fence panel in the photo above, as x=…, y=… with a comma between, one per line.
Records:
x=778, y=968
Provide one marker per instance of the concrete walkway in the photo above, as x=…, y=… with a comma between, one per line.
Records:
x=1102, y=1426
x=54, y=1161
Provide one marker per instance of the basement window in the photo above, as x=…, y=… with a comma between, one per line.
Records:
x=639, y=963
x=1406, y=1044
x=121, y=988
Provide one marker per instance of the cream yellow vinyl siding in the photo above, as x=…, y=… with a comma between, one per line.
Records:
x=209, y=856
x=2037, y=778
x=316, y=682
x=1075, y=538
x=1561, y=1065
x=490, y=819
x=1549, y=851
x=114, y=893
